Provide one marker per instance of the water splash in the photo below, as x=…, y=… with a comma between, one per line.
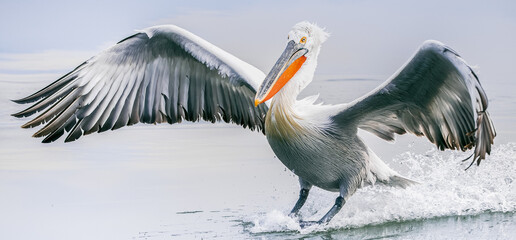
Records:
x=446, y=189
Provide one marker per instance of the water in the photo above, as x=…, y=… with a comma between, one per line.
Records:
x=446, y=196
x=193, y=181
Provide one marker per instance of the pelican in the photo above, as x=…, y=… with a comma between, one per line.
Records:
x=167, y=74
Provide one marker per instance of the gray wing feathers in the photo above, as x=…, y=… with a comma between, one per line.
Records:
x=144, y=78
x=436, y=94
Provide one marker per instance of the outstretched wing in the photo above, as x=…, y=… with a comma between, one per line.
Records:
x=161, y=74
x=436, y=94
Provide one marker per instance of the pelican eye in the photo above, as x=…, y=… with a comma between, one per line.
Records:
x=303, y=40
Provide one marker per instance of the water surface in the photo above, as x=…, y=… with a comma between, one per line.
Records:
x=201, y=180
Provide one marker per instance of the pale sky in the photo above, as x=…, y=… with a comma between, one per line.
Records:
x=368, y=38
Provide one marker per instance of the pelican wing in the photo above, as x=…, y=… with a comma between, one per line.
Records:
x=436, y=94
x=160, y=74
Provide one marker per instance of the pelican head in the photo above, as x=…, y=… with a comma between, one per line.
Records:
x=303, y=45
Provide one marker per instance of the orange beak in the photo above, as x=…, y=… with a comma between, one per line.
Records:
x=285, y=68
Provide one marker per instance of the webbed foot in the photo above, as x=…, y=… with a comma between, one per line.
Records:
x=304, y=224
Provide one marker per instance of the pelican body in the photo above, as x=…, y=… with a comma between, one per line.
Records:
x=167, y=74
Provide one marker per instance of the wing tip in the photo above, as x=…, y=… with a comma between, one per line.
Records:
x=31, y=98
x=484, y=138
x=19, y=101
x=16, y=115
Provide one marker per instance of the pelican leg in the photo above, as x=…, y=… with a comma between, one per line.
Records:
x=303, y=195
x=339, y=202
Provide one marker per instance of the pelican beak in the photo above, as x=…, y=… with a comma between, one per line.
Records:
x=285, y=68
